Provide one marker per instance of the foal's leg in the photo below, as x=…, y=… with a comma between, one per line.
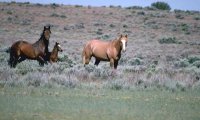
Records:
x=97, y=62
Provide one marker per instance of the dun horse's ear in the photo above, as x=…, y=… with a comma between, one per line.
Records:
x=126, y=36
x=121, y=36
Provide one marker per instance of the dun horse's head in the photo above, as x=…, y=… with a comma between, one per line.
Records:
x=124, y=40
x=47, y=32
x=58, y=47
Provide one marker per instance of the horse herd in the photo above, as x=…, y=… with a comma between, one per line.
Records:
x=100, y=50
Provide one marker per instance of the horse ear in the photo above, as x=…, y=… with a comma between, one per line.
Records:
x=49, y=27
x=126, y=36
x=121, y=36
x=44, y=27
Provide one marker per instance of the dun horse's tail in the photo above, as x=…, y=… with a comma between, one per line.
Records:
x=83, y=56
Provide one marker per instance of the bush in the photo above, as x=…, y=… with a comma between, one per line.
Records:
x=161, y=6
x=179, y=16
x=182, y=63
x=134, y=7
x=170, y=40
x=193, y=59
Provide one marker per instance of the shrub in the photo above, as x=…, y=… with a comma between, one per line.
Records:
x=141, y=13
x=179, y=16
x=170, y=40
x=54, y=15
x=78, y=6
x=182, y=63
x=136, y=61
x=54, y=5
x=65, y=59
x=134, y=7
x=193, y=59
x=197, y=18
x=105, y=37
x=112, y=25
x=197, y=64
x=161, y=6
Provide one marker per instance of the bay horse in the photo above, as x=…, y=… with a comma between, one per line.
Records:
x=53, y=55
x=22, y=50
x=105, y=51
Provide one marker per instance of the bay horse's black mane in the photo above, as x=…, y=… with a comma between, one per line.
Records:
x=44, y=40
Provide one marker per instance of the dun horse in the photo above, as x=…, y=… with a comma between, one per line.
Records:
x=22, y=50
x=105, y=51
x=53, y=56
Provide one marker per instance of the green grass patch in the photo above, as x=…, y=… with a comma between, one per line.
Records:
x=75, y=104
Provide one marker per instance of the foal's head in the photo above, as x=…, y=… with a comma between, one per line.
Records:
x=58, y=47
x=123, y=41
x=46, y=32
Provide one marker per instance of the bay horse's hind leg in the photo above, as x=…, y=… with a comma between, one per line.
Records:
x=13, y=59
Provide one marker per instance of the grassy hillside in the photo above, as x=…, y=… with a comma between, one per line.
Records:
x=162, y=60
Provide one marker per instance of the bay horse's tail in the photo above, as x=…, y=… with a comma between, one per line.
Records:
x=12, y=58
x=14, y=53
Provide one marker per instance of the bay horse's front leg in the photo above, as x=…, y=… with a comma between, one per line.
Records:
x=41, y=60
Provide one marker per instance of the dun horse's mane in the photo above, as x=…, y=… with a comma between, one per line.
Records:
x=116, y=43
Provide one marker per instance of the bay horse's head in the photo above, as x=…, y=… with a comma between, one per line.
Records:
x=58, y=46
x=123, y=40
x=46, y=32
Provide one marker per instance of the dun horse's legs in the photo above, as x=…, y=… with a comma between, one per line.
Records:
x=97, y=62
x=111, y=62
x=115, y=64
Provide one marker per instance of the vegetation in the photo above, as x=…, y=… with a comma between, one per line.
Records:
x=51, y=104
x=161, y=5
x=169, y=40
x=158, y=76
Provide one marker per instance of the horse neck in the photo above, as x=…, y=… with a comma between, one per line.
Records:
x=117, y=45
x=43, y=41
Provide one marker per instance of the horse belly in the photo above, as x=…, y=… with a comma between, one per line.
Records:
x=100, y=54
x=28, y=52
